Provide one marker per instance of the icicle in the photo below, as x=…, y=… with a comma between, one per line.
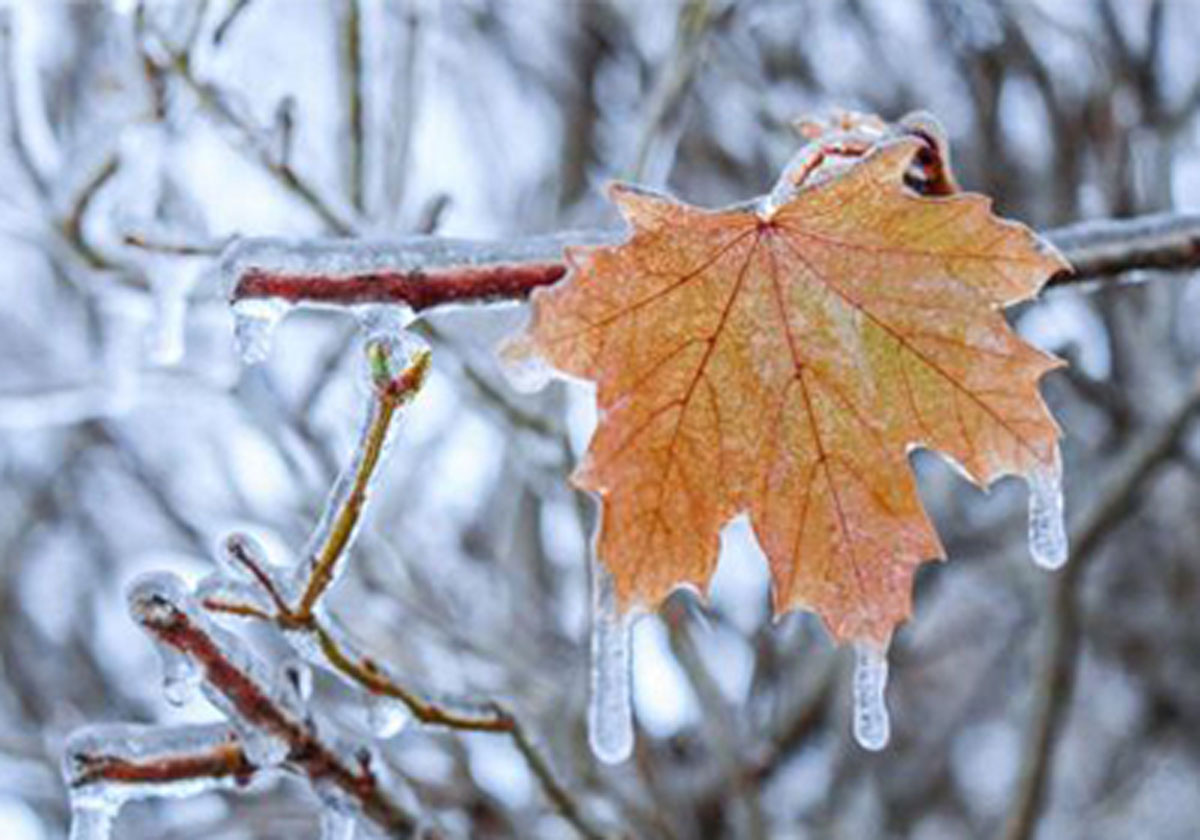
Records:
x=386, y=716
x=255, y=320
x=871, y=725
x=336, y=825
x=89, y=822
x=1047, y=529
x=181, y=677
x=610, y=711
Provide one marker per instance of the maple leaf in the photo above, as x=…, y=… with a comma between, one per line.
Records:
x=783, y=363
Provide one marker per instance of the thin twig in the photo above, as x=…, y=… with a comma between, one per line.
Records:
x=171, y=625
x=388, y=398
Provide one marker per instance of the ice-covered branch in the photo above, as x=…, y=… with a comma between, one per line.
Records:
x=396, y=380
x=108, y=765
x=1107, y=247
x=423, y=272
x=273, y=725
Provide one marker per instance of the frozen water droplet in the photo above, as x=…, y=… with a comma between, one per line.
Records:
x=181, y=677
x=255, y=320
x=336, y=825
x=1047, y=528
x=527, y=375
x=386, y=716
x=90, y=822
x=872, y=729
x=610, y=711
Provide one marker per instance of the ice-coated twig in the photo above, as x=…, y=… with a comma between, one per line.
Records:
x=234, y=681
x=396, y=376
x=392, y=389
x=338, y=655
x=428, y=271
x=106, y=766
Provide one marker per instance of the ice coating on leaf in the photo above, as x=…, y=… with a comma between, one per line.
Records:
x=782, y=363
x=1047, y=526
x=254, y=323
x=871, y=725
x=610, y=708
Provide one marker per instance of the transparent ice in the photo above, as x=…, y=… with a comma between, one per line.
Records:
x=610, y=710
x=181, y=677
x=1047, y=528
x=871, y=725
x=89, y=822
x=254, y=323
x=95, y=803
x=336, y=825
x=155, y=599
x=386, y=716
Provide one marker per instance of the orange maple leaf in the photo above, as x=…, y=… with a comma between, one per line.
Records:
x=783, y=363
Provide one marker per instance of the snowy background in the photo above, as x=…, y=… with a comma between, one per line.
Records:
x=135, y=140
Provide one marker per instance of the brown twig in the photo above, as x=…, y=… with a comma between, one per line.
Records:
x=172, y=625
x=391, y=392
x=389, y=396
x=226, y=760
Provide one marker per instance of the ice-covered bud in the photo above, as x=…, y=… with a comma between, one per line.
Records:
x=398, y=363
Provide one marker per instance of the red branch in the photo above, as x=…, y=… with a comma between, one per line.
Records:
x=417, y=289
x=1095, y=249
x=307, y=753
x=224, y=761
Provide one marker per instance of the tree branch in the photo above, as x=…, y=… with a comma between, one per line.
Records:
x=423, y=272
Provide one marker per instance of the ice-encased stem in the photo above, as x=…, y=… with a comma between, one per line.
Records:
x=610, y=710
x=871, y=725
x=397, y=363
x=1047, y=527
